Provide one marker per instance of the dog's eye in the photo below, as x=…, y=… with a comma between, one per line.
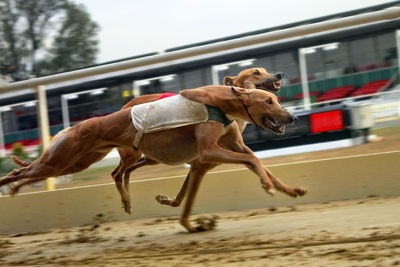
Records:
x=257, y=72
x=269, y=101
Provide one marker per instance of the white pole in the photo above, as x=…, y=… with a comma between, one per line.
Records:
x=214, y=75
x=64, y=109
x=44, y=127
x=2, y=145
x=136, y=89
x=304, y=78
x=398, y=50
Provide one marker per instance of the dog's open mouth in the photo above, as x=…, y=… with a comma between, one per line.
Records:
x=277, y=84
x=273, y=125
x=269, y=85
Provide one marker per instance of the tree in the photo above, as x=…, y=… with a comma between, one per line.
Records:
x=32, y=34
x=75, y=44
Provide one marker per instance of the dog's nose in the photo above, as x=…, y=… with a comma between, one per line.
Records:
x=279, y=75
x=292, y=119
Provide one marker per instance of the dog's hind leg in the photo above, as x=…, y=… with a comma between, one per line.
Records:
x=13, y=176
x=142, y=162
x=128, y=157
x=36, y=171
x=82, y=164
x=15, y=187
x=20, y=162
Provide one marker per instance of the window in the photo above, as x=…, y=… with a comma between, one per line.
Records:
x=363, y=53
x=162, y=84
x=194, y=78
x=386, y=49
x=287, y=62
x=315, y=66
x=335, y=59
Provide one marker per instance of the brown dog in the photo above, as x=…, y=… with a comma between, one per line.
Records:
x=248, y=78
x=203, y=144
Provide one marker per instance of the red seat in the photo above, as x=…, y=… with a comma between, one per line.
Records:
x=9, y=146
x=33, y=142
x=370, y=88
x=336, y=93
x=300, y=95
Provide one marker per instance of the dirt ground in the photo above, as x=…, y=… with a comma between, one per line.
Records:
x=364, y=232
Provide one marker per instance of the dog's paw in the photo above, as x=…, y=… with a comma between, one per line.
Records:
x=126, y=206
x=164, y=200
x=300, y=191
x=12, y=190
x=270, y=191
x=206, y=223
x=203, y=223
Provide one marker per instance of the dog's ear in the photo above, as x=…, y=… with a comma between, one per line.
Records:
x=198, y=95
x=249, y=85
x=242, y=94
x=235, y=91
x=228, y=80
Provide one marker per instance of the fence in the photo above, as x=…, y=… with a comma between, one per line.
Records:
x=327, y=180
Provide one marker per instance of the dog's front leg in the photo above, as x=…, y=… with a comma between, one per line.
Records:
x=176, y=201
x=207, y=137
x=196, y=174
x=279, y=185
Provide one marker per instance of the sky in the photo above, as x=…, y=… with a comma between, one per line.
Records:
x=134, y=27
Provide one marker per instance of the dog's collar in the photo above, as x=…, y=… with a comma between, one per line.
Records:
x=216, y=114
x=244, y=105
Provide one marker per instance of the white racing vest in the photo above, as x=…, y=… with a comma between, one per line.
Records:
x=167, y=113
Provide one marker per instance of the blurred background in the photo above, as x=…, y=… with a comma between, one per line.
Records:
x=351, y=76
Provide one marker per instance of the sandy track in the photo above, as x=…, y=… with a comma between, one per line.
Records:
x=363, y=232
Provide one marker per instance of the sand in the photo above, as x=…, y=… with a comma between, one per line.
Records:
x=364, y=232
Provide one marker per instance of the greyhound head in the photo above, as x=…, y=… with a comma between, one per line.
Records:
x=264, y=109
x=256, y=78
x=257, y=106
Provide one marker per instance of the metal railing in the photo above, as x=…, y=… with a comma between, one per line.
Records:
x=39, y=83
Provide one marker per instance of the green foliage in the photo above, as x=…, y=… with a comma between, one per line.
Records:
x=19, y=151
x=39, y=151
x=45, y=36
x=6, y=165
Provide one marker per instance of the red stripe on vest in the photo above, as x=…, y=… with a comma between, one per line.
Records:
x=164, y=95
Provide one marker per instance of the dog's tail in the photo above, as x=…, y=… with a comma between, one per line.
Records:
x=20, y=162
